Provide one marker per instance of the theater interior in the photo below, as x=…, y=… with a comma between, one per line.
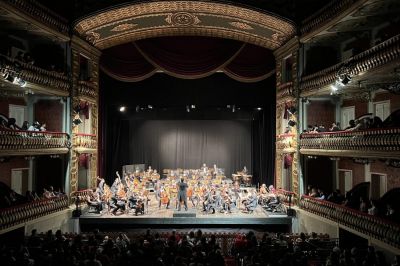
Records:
x=277, y=121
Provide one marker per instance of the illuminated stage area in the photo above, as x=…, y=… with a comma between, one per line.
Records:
x=193, y=218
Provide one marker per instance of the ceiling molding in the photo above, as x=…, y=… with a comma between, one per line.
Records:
x=133, y=22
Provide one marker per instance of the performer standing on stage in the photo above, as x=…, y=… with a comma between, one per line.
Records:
x=182, y=187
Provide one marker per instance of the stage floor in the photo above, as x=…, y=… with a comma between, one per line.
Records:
x=167, y=218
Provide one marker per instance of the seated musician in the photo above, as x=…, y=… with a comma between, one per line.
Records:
x=164, y=198
x=118, y=202
x=227, y=202
x=210, y=201
x=136, y=202
x=93, y=200
x=263, y=194
x=251, y=203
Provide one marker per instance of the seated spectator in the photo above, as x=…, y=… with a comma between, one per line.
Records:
x=363, y=205
x=25, y=125
x=352, y=124
x=43, y=127
x=314, y=193
x=35, y=126
x=11, y=124
x=373, y=210
x=321, y=194
x=321, y=129
x=334, y=127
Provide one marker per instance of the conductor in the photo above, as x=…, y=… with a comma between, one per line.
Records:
x=182, y=187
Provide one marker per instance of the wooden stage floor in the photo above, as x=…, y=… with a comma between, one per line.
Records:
x=167, y=218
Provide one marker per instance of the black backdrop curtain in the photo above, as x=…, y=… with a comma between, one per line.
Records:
x=171, y=144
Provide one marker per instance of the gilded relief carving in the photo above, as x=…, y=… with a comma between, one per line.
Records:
x=241, y=25
x=182, y=19
x=123, y=27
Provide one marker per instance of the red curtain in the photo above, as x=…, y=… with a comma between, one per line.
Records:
x=187, y=57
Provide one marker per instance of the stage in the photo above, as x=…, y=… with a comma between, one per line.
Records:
x=192, y=218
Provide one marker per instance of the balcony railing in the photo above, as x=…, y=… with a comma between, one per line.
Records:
x=41, y=13
x=373, y=226
x=377, y=56
x=84, y=141
x=29, y=211
x=81, y=195
x=55, y=81
x=382, y=141
x=14, y=142
x=87, y=88
x=287, y=197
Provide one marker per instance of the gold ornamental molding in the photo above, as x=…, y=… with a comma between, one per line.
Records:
x=137, y=21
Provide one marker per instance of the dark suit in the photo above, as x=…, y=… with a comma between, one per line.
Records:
x=182, y=187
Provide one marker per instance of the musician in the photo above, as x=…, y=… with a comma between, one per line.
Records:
x=227, y=201
x=93, y=200
x=136, y=202
x=182, y=196
x=118, y=202
x=164, y=198
x=263, y=194
x=101, y=185
x=251, y=203
x=115, y=185
x=210, y=201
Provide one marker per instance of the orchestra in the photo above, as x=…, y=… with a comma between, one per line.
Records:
x=205, y=187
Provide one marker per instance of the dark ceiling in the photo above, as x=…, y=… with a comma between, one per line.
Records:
x=295, y=10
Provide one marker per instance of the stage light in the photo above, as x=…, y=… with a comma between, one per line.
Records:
x=122, y=109
x=259, y=108
x=187, y=108
x=193, y=106
x=345, y=79
x=150, y=106
x=233, y=108
x=137, y=108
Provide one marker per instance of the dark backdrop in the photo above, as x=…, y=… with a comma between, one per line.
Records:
x=185, y=143
x=170, y=137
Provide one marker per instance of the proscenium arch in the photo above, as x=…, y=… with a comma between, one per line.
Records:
x=135, y=21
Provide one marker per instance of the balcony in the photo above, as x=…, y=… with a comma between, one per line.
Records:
x=373, y=226
x=87, y=90
x=85, y=143
x=371, y=143
x=18, y=142
x=287, y=197
x=37, y=79
x=286, y=143
x=29, y=211
x=372, y=59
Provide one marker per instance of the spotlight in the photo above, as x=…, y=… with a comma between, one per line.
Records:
x=187, y=108
x=233, y=108
x=259, y=108
x=150, y=106
x=122, y=109
x=345, y=79
x=137, y=108
x=193, y=106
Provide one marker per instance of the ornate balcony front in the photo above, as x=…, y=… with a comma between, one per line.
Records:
x=287, y=197
x=18, y=142
x=286, y=143
x=373, y=226
x=87, y=90
x=85, y=143
x=382, y=54
x=36, y=78
x=23, y=213
x=371, y=143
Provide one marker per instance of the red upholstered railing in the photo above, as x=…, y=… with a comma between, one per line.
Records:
x=380, y=139
x=286, y=196
x=374, y=226
x=29, y=211
x=19, y=139
x=81, y=195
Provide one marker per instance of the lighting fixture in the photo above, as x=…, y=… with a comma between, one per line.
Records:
x=122, y=109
